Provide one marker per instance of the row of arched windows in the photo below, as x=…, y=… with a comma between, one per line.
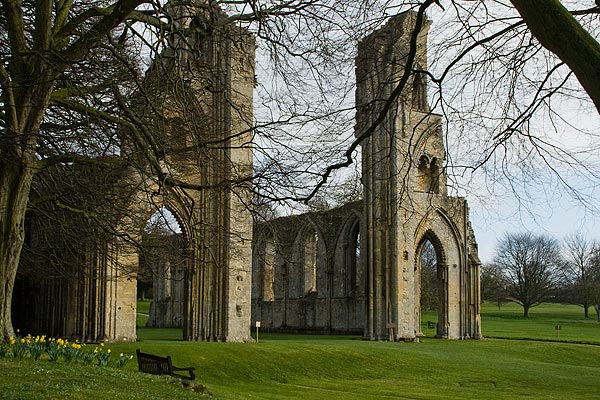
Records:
x=307, y=270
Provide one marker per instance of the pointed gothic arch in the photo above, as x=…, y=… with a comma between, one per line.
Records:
x=347, y=258
x=441, y=281
x=263, y=269
x=309, y=262
x=441, y=231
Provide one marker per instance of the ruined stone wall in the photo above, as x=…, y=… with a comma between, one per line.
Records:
x=306, y=274
x=405, y=204
x=354, y=269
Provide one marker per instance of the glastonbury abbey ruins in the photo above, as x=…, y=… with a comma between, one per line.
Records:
x=354, y=269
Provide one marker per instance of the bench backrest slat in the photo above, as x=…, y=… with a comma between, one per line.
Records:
x=154, y=364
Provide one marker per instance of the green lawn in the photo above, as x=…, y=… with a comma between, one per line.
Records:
x=508, y=322
x=143, y=306
x=341, y=367
x=143, y=309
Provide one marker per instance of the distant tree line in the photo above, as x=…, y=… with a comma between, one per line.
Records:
x=529, y=269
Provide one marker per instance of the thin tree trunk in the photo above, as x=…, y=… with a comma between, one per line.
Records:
x=526, y=311
x=586, y=311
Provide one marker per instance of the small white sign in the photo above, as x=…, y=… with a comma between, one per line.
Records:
x=257, y=324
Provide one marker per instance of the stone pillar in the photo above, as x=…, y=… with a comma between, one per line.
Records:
x=120, y=292
x=386, y=163
x=218, y=283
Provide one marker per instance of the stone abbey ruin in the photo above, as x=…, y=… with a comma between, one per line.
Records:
x=353, y=269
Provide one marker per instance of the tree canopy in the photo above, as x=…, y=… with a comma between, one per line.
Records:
x=530, y=267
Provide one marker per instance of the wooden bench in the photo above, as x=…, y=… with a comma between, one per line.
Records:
x=158, y=365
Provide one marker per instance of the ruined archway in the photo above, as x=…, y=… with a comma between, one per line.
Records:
x=308, y=276
x=263, y=268
x=347, y=258
x=431, y=283
x=450, y=246
x=347, y=287
x=163, y=262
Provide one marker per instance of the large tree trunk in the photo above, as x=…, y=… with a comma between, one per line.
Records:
x=15, y=179
x=558, y=31
x=18, y=164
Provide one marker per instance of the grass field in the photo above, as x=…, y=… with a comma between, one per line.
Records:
x=508, y=322
x=318, y=367
x=143, y=309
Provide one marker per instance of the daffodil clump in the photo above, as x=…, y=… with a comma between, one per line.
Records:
x=102, y=355
x=57, y=348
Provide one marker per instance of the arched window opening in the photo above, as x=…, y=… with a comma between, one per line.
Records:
x=434, y=173
x=419, y=92
x=429, y=278
x=162, y=264
x=428, y=175
x=423, y=176
x=310, y=250
x=353, y=258
x=268, y=269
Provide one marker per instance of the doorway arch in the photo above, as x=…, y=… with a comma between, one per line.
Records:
x=430, y=243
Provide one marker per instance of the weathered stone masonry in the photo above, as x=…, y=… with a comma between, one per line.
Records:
x=354, y=269
x=405, y=204
x=305, y=273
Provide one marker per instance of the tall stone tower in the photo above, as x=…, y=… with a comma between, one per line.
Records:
x=405, y=196
x=216, y=76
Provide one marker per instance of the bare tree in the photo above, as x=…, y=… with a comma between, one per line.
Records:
x=530, y=267
x=580, y=270
x=595, y=274
x=73, y=92
x=494, y=72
